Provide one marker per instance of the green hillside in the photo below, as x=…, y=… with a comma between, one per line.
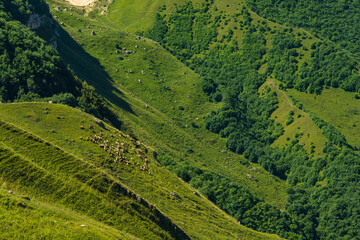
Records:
x=178, y=87
x=296, y=122
x=223, y=116
x=21, y=218
x=336, y=106
x=54, y=165
x=44, y=172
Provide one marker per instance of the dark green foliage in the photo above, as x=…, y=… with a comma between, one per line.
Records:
x=333, y=20
x=93, y=103
x=329, y=211
x=90, y=101
x=290, y=118
x=188, y=31
x=330, y=132
x=282, y=60
x=208, y=86
x=65, y=98
x=28, y=65
x=160, y=29
x=22, y=9
x=329, y=65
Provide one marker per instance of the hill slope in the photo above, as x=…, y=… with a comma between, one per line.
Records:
x=76, y=174
x=22, y=218
x=166, y=86
x=229, y=90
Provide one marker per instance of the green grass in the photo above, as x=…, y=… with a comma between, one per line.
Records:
x=337, y=107
x=23, y=219
x=162, y=125
x=136, y=15
x=34, y=167
x=302, y=126
x=71, y=173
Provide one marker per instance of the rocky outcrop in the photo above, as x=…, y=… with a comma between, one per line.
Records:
x=36, y=21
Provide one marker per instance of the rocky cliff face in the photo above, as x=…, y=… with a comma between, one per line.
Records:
x=37, y=22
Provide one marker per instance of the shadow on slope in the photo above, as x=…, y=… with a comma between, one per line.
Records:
x=89, y=69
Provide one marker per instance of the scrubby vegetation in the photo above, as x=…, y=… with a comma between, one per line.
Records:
x=332, y=20
x=328, y=66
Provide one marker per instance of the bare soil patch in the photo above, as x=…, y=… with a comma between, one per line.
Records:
x=80, y=2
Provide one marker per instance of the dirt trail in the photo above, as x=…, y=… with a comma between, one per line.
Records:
x=80, y=2
x=284, y=96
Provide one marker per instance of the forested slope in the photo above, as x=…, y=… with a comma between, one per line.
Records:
x=29, y=66
x=230, y=74
x=332, y=20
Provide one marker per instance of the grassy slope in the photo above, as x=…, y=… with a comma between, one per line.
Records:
x=311, y=134
x=337, y=107
x=198, y=217
x=162, y=125
x=137, y=15
x=44, y=172
x=36, y=220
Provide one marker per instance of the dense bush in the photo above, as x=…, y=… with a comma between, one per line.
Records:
x=328, y=65
x=332, y=20
x=29, y=65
